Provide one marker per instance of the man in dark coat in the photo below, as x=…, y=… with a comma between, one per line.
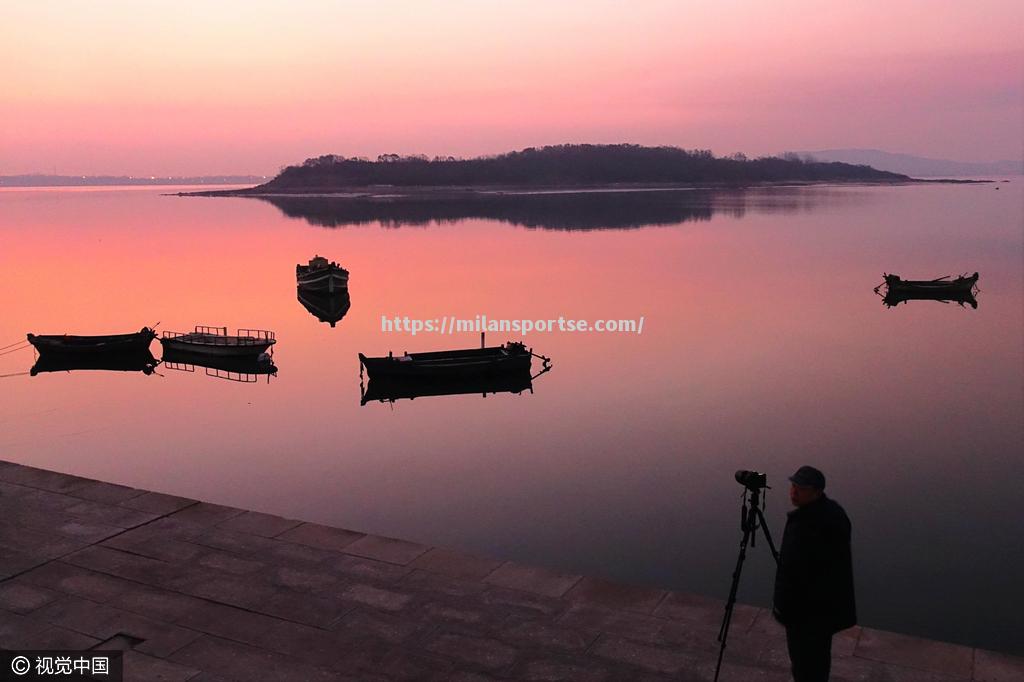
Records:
x=814, y=582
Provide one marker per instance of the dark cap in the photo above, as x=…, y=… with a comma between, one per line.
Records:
x=809, y=477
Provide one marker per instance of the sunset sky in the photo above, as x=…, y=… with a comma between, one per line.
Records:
x=191, y=87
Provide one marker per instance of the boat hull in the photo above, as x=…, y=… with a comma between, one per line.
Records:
x=216, y=350
x=449, y=364
x=960, y=285
x=329, y=279
x=110, y=344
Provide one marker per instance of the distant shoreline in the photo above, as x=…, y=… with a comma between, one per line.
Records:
x=447, y=192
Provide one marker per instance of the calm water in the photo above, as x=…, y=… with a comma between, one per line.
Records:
x=764, y=347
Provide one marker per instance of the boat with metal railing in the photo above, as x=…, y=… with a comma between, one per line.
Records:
x=321, y=275
x=216, y=341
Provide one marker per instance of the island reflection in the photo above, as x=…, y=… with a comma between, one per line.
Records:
x=559, y=210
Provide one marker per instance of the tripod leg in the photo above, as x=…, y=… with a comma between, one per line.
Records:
x=767, y=535
x=723, y=632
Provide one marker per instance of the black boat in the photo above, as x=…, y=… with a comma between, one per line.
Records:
x=324, y=305
x=67, y=344
x=215, y=341
x=321, y=275
x=392, y=388
x=131, y=361
x=960, y=290
x=961, y=285
x=470, y=362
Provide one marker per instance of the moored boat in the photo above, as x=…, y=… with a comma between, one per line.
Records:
x=392, y=388
x=216, y=341
x=321, y=275
x=92, y=345
x=510, y=357
x=962, y=284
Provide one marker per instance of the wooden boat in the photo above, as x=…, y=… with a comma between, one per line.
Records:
x=216, y=341
x=92, y=345
x=321, y=275
x=392, y=388
x=325, y=306
x=961, y=284
x=130, y=361
x=511, y=357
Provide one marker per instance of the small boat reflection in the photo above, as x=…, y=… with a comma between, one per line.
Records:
x=129, y=361
x=960, y=290
x=244, y=369
x=324, y=305
x=388, y=389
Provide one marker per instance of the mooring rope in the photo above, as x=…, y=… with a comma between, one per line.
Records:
x=15, y=374
x=15, y=350
x=16, y=343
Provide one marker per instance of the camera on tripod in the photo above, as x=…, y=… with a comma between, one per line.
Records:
x=752, y=480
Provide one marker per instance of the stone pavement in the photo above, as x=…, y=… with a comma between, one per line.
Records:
x=197, y=591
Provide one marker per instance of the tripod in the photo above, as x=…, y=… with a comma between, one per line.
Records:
x=751, y=519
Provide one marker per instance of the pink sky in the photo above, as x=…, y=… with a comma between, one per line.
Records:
x=200, y=88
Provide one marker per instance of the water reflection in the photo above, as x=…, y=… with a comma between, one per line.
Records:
x=568, y=210
x=389, y=389
x=324, y=305
x=244, y=369
x=128, y=361
x=960, y=290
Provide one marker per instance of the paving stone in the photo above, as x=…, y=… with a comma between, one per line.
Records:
x=14, y=626
x=154, y=602
x=409, y=666
x=553, y=669
x=615, y=596
x=431, y=583
x=53, y=638
x=265, y=549
x=584, y=617
x=455, y=564
x=336, y=650
x=393, y=628
x=142, y=541
x=110, y=515
x=321, y=537
x=77, y=581
x=990, y=666
x=375, y=597
x=302, y=579
x=228, y=563
x=523, y=603
x=22, y=597
x=541, y=634
x=369, y=569
x=43, y=479
x=108, y=493
x=14, y=563
x=138, y=667
x=705, y=612
x=157, y=503
x=318, y=610
x=124, y=565
x=541, y=581
x=664, y=660
x=914, y=652
x=386, y=549
x=236, y=661
x=257, y=523
x=205, y=514
x=490, y=654
x=227, y=622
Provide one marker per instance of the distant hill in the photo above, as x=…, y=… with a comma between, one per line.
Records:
x=39, y=180
x=916, y=166
x=560, y=166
